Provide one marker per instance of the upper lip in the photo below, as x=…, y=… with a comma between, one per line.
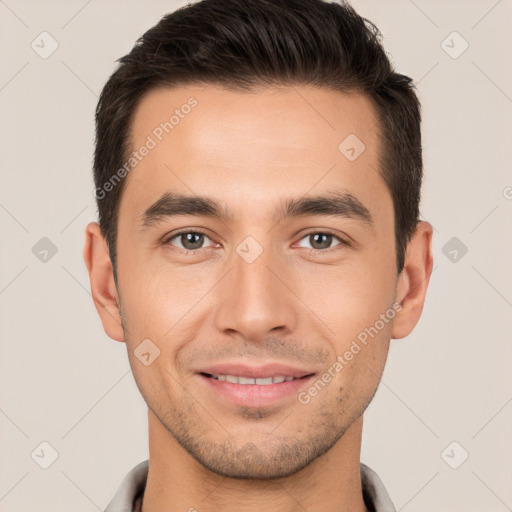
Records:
x=255, y=372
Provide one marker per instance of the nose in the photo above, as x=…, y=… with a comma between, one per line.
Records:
x=256, y=298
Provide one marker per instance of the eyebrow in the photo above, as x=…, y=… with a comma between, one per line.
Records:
x=339, y=204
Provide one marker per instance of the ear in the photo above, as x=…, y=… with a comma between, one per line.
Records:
x=101, y=277
x=413, y=281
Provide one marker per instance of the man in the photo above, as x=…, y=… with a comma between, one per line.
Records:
x=258, y=170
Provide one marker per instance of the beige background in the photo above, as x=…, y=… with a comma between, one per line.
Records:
x=63, y=381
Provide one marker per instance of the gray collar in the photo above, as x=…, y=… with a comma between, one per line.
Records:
x=128, y=497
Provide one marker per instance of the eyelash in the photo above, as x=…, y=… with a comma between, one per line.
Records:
x=315, y=252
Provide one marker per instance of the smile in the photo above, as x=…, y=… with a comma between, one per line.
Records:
x=261, y=381
x=243, y=391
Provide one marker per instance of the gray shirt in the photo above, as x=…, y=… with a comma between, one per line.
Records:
x=128, y=497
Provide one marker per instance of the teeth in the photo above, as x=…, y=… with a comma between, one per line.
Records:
x=245, y=380
x=261, y=381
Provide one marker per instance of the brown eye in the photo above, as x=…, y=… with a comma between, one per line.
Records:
x=322, y=241
x=188, y=240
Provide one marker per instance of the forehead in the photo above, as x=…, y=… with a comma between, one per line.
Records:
x=234, y=146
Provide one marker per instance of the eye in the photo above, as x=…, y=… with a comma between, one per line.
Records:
x=188, y=240
x=322, y=240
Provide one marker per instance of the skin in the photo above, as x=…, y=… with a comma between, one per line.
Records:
x=294, y=304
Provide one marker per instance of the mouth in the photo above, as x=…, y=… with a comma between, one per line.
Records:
x=252, y=387
x=259, y=381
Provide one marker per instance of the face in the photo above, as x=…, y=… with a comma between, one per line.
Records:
x=253, y=278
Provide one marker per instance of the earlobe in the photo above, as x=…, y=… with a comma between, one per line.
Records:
x=413, y=281
x=101, y=277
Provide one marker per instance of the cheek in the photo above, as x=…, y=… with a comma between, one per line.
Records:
x=362, y=360
x=355, y=302
x=155, y=293
x=155, y=382
x=167, y=304
x=347, y=298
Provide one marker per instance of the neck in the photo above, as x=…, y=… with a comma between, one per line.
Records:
x=177, y=482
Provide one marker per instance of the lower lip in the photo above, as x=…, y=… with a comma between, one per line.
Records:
x=255, y=395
